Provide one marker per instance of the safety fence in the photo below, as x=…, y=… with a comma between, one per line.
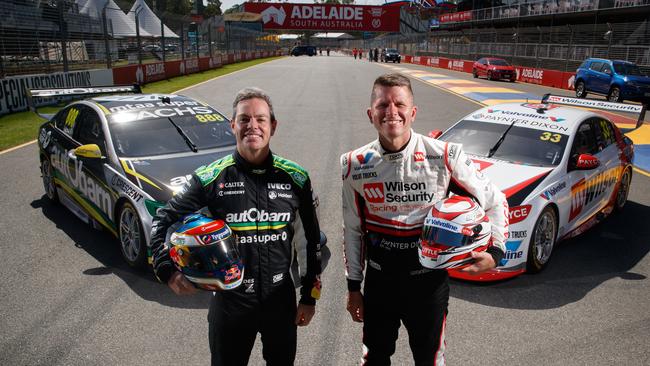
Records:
x=62, y=35
x=559, y=47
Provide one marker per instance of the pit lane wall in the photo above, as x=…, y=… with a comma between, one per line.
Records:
x=531, y=75
x=12, y=89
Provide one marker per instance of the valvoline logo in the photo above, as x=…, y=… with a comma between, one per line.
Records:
x=364, y=159
x=512, y=252
x=555, y=119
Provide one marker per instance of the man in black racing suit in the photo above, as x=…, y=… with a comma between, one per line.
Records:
x=266, y=200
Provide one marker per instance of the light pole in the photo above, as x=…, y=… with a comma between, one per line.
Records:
x=137, y=32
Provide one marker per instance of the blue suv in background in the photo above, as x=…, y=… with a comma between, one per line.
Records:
x=618, y=80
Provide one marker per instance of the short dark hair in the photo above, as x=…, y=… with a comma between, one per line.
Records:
x=389, y=80
x=250, y=93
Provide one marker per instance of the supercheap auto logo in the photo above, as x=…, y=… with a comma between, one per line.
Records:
x=391, y=192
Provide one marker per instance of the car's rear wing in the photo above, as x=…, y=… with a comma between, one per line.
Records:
x=77, y=91
x=639, y=109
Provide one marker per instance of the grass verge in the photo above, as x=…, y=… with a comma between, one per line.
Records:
x=21, y=127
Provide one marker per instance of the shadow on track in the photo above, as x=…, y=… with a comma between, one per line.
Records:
x=610, y=249
x=104, y=247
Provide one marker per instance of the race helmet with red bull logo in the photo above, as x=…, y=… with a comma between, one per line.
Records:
x=205, y=251
x=453, y=228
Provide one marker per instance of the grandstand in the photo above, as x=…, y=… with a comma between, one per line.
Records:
x=550, y=34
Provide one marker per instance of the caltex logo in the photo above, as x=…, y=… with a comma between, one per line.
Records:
x=374, y=192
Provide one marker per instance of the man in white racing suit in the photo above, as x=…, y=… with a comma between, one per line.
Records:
x=389, y=186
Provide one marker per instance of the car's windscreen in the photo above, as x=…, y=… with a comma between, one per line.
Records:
x=627, y=69
x=499, y=63
x=520, y=145
x=391, y=50
x=158, y=136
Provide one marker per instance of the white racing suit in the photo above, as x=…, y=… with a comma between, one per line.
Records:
x=386, y=197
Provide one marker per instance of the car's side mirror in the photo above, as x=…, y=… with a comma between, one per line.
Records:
x=89, y=151
x=586, y=162
x=434, y=134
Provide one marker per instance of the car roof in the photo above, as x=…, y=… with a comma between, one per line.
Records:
x=556, y=118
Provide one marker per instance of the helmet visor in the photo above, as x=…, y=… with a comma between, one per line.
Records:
x=442, y=236
x=207, y=260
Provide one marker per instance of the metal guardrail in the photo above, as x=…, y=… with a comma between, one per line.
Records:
x=52, y=36
x=560, y=47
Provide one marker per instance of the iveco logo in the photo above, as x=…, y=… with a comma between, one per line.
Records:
x=279, y=186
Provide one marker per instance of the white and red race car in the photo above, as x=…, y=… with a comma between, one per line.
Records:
x=563, y=169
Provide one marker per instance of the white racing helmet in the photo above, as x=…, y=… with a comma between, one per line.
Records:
x=453, y=228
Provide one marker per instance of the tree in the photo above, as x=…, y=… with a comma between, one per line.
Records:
x=213, y=8
x=233, y=9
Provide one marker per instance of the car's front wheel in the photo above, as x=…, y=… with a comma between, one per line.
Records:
x=131, y=235
x=47, y=173
x=615, y=95
x=489, y=75
x=542, y=240
x=623, y=190
x=474, y=73
x=581, y=92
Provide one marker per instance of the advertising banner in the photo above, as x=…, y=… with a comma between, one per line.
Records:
x=12, y=89
x=461, y=16
x=327, y=17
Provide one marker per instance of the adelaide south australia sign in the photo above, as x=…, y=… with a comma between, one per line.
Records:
x=326, y=17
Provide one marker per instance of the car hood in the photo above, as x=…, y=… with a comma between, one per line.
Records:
x=516, y=181
x=161, y=177
x=502, y=68
x=639, y=79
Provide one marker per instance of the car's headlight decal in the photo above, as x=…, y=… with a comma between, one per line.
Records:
x=129, y=169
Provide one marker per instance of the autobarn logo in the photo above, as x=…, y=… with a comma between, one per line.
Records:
x=255, y=215
x=584, y=192
x=397, y=192
x=72, y=170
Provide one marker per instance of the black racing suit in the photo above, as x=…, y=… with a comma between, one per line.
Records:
x=265, y=206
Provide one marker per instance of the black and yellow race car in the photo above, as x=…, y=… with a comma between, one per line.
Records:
x=113, y=159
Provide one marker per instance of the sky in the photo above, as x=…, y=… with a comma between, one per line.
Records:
x=226, y=4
